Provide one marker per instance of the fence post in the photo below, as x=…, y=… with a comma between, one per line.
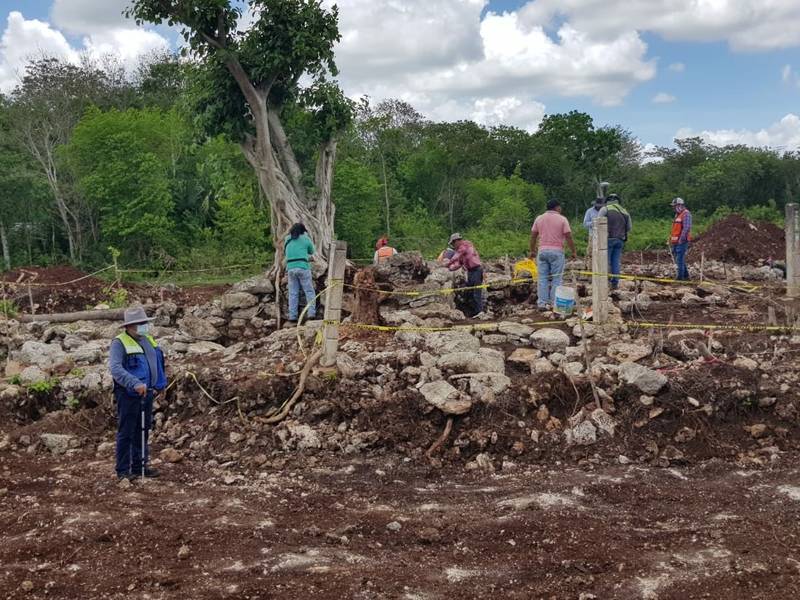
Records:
x=792, y=251
x=337, y=260
x=600, y=270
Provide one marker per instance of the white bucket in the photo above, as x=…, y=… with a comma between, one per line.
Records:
x=565, y=300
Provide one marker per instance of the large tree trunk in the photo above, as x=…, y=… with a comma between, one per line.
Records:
x=4, y=242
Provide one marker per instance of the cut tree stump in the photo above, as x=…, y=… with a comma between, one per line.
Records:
x=367, y=299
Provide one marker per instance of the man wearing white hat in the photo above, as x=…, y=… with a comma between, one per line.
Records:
x=137, y=366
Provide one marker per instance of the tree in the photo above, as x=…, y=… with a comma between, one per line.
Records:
x=358, y=218
x=46, y=106
x=248, y=80
x=123, y=162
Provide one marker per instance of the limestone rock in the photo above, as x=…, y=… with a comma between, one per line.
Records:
x=496, y=382
x=40, y=355
x=486, y=360
x=238, y=300
x=446, y=398
x=448, y=342
x=57, y=443
x=603, y=421
x=171, y=455
x=260, y=284
x=524, y=356
x=550, y=340
x=583, y=434
x=438, y=310
x=348, y=367
x=628, y=352
x=515, y=329
x=199, y=329
x=305, y=438
x=31, y=375
x=199, y=348
x=645, y=380
x=742, y=362
x=541, y=366
x=90, y=353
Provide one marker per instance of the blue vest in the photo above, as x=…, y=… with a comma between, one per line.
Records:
x=136, y=360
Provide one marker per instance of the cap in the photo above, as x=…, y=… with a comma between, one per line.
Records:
x=453, y=238
x=135, y=315
x=612, y=198
x=676, y=201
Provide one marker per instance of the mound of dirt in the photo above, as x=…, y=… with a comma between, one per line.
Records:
x=735, y=239
x=49, y=290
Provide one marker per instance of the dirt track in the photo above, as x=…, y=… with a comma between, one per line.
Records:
x=555, y=531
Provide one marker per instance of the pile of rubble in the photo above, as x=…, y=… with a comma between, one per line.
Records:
x=513, y=388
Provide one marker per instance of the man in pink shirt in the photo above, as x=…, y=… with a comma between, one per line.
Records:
x=550, y=231
x=467, y=257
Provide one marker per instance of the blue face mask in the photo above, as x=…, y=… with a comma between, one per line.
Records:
x=143, y=328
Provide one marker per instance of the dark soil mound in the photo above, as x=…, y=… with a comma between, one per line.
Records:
x=735, y=239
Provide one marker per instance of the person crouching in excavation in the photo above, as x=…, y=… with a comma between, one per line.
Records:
x=467, y=257
x=383, y=251
x=298, y=250
x=137, y=367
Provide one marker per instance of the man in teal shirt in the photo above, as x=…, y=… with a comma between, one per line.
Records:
x=298, y=249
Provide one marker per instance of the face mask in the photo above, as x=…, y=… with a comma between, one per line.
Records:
x=143, y=328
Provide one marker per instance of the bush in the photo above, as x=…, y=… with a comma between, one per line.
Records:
x=8, y=309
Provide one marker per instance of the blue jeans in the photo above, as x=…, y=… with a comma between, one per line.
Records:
x=550, y=264
x=301, y=278
x=129, y=451
x=615, y=246
x=679, y=252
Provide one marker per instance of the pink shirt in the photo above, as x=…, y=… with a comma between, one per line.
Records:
x=552, y=228
x=466, y=256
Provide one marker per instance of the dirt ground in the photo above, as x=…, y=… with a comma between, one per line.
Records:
x=52, y=290
x=387, y=529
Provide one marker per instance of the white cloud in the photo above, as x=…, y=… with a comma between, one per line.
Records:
x=509, y=110
x=451, y=61
x=677, y=67
x=746, y=25
x=783, y=135
x=663, y=98
x=24, y=39
x=89, y=16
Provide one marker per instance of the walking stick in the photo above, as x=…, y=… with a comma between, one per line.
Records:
x=144, y=447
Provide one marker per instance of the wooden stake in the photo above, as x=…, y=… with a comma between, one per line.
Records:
x=333, y=302
x=600, y=270
x=702, y=265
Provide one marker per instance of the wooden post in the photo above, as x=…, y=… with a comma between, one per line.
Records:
x=333, y=302
x=792, y=251
x=600, y=270
x=702, y=265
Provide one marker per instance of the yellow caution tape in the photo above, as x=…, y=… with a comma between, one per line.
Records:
x=712, y=327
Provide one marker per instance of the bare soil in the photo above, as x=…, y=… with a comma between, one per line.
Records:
x=52, y=291
x=713, y=530
x=735, y=239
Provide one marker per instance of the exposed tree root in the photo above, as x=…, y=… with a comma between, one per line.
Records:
x=301, y=386
x=442, y=438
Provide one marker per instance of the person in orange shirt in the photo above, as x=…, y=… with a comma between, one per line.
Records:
x=680, y=236
x=383, y=251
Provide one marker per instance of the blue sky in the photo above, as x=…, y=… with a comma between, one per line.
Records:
x=740, y=79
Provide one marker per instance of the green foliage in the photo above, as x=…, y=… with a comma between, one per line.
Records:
x=8, y=308
x=15, y=380
x=44, y=387
x=116, y=297
x=122, y=162
x=72, y=403
x=356, y=192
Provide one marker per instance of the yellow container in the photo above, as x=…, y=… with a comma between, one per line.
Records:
x=525, y=266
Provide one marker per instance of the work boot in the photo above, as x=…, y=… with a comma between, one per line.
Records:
x=152, y=473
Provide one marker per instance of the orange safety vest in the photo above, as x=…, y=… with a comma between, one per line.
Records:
x=677, y=229
x=385, y=253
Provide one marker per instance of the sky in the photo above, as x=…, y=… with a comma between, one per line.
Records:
x=725, y=70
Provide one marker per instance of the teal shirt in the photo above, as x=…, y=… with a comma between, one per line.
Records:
x=297, y=252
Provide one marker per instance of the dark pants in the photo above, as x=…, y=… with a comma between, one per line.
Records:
x=129, y=431
x=475, y=297
x=679, y=252
x=615, y=247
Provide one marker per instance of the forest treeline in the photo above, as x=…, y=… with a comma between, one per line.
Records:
x=93, y=157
